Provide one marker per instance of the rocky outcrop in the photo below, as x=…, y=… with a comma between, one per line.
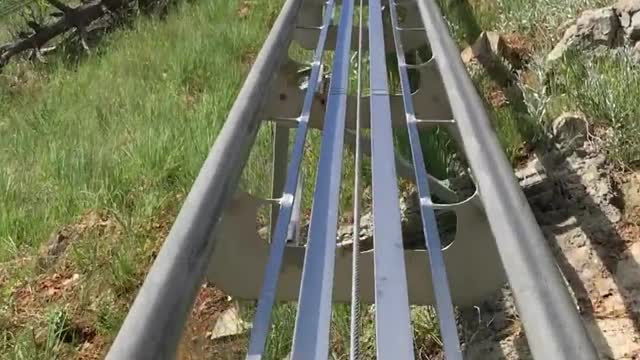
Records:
x=490, y=46
x=608, y=27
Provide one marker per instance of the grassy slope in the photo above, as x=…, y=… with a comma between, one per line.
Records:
x=110, y=147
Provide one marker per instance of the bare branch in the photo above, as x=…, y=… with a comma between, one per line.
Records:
x=71, y=18
x=82, y=33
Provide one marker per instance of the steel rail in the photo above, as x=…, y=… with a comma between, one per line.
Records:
x=262, y=319
x=311, y=333
x=393, y=323
x=549, y=316
x=441, y=290
x=156, y=320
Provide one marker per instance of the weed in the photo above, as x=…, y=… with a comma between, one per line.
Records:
x=125, y=129
x=598, y=85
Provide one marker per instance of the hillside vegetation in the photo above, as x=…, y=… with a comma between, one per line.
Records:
x=99, y=155
x=96, y=155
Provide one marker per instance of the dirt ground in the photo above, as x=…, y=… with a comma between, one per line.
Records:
x=590, y=214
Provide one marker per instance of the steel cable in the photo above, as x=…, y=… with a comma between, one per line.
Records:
x=355, y=279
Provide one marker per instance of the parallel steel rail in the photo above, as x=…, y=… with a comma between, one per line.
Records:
x=155, y=322
x=153, y=327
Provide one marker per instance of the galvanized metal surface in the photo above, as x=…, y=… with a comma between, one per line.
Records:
x=154, y=324
x=553, y=326
x=393, y=323
x=444, y=304
x=262, y=320
x=355, y=321
x=311, y=333
x=249, y=267
x=430, y=102
x=241, y=255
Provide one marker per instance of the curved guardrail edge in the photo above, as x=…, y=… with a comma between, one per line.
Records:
x=550, y=319
x=156, y=320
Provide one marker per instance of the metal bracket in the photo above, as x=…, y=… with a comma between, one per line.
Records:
x=241, y=255
x=286, y=97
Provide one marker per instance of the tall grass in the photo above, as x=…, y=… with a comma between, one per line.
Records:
x=123, y=132
x=127, y=129
x=605, y=88
x=537, y=20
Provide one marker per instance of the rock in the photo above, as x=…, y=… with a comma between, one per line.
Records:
x=627, y=6
x=491, y=46
x=630, y=189
x=570, y=128
x=568, y=41
x=228, y=324
x=600, y=27
x=628, y=12
x=627, y=270
x=635, y=53
x=633, y=30
x=625, y=19
x=535, y=183
x=488, y=45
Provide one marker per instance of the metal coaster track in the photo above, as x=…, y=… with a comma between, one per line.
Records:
x=497, y=237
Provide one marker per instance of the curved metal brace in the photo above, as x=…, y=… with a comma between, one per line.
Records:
x=286, y=98
x=240, y=257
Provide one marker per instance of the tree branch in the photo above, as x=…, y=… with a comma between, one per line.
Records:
x=71, y=18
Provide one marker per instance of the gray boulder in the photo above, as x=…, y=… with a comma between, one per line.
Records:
x=594, y=28
x=633, y=29
x=627, y=6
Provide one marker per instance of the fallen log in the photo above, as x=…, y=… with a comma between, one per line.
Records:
x=68, y=18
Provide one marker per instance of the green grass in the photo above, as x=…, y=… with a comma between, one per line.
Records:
x=122, y=133
x=597, y=85
x=605, y=89
x=537, y=20
x=126, y=130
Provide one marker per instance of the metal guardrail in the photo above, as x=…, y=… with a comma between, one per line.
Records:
x=550, y=318
x=155, y=322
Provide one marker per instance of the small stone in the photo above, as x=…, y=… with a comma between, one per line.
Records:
x=228, y=324
x=568, y=41
x=570, y=128
x=627, y=270
x=491, y=46
x=488, y=46
x=625, y=19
